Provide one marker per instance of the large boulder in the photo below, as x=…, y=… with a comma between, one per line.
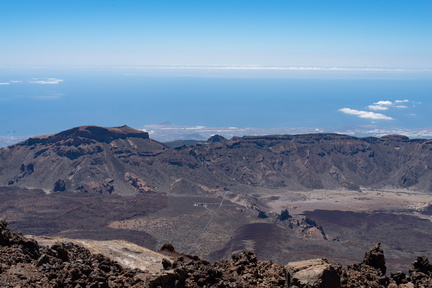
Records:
x=313, y=273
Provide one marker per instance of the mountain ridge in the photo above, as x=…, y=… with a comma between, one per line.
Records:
x=126, y=161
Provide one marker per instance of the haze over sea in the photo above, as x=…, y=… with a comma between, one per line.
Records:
x=206, y=67
x=41, y=100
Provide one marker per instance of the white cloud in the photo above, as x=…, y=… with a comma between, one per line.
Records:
x=384, y=103
x=4, y=83
x=377, y=107
x=47, y=81
x=365, y=114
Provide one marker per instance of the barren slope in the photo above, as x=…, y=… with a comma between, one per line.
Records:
x=125, y=161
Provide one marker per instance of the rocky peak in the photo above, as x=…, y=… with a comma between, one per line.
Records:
x=375, y=258
x=87, y=135
x=216, y=138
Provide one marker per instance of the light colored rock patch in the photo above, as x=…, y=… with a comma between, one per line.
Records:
x=125, y=253
x=312, y=273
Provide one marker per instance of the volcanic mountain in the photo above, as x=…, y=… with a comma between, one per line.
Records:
x=126, y=161
x=87, y=158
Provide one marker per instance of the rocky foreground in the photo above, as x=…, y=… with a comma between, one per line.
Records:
x=25, y=263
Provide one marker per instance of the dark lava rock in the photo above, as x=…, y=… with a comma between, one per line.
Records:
x=422, y=265
x=23, y=263
x=5, y=233
x=369, y=273
x=59, y=186
x=243, y=270
x=96, y=187
x=375, y=258
x=168, y=247
x=284, y=215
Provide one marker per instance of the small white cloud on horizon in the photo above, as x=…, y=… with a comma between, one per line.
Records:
x=47, y=81
x=365, y=114
x=383, y=103
x=377, y=107
x=4, y=83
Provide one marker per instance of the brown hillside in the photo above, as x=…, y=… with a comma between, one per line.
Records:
x=125, y=161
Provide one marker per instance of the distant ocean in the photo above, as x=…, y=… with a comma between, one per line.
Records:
x=41, y=100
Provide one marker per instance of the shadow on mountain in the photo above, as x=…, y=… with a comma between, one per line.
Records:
x=77, y=215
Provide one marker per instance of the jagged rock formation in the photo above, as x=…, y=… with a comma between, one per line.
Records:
x=284, y=215
x=25, y=263
x=69, y=159
x=369, y=273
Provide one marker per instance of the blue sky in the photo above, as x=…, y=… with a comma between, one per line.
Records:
x=364, y=33
x=315, y=65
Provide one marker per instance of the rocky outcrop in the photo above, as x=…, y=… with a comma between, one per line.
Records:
x=23, y=263
x=140, y=185
x=96, y=187
x=369, y=273
x=375, y=258
x=284, y=215
x=59, y=186
x=242, y=270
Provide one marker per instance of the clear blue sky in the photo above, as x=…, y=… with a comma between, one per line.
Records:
x=367, y=33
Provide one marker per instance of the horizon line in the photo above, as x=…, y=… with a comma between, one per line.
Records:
x=231, y=67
